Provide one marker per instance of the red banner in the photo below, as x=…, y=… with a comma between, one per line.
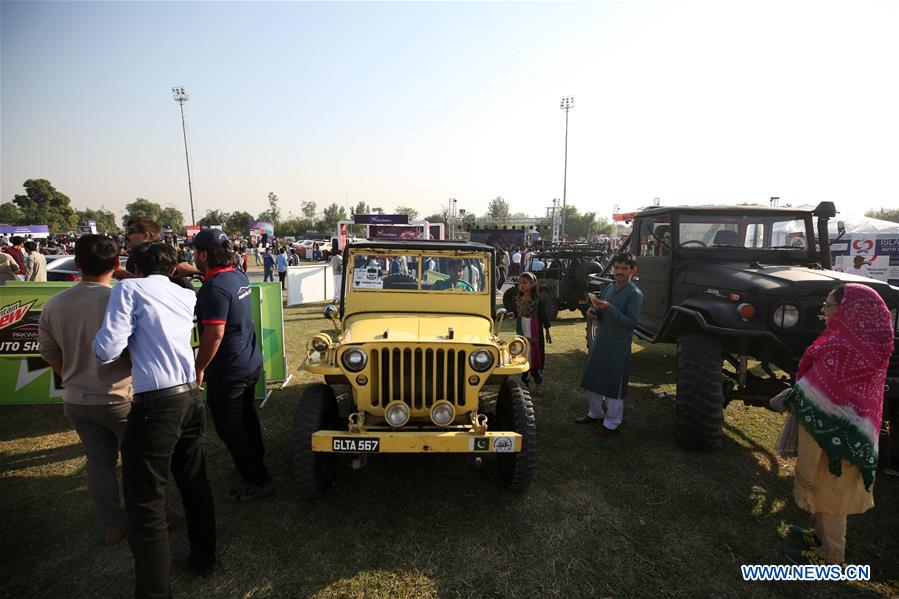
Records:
x=619, y=217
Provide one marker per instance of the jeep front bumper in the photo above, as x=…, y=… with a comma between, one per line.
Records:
x=416, y=442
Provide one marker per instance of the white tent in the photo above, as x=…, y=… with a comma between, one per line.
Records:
x=857, y=225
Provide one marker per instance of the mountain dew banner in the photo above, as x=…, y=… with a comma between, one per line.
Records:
x=26, y=379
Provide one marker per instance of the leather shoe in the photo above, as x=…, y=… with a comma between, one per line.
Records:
x=602, y=431
x=114, y=537
x=183, y=560
x=587, y=419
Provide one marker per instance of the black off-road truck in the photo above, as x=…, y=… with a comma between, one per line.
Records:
x=739, y=289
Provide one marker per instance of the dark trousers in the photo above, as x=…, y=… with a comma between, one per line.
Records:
x=281, y=277
x=268, y=275
x=162, y=437
x=233, y=410
x=538, y=377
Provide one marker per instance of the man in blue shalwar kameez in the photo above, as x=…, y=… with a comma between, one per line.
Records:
x=606, y=376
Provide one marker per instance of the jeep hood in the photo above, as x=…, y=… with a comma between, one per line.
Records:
x=760, y=277
x=424, y=328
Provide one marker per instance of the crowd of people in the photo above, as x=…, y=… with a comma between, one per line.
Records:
x=132, y=382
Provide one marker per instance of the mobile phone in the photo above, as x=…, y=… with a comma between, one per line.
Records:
x=593, y=297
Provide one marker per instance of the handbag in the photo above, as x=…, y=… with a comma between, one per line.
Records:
x=787, y=443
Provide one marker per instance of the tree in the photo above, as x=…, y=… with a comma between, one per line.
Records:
x=10, y=214
x=238, y=222
x=105, y=219
x=172, y=218
x=360, y=208
x=330, y=216
x=216, y=218
x=377, y=210
x=309, y=209
x=498, y=209
x=437, y=217
x=273, y=209
x=42, y=204
x=412, y=213
x=143, y=208
x=883, y=214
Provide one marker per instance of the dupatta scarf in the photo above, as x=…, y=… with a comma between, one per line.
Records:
x=838, y=398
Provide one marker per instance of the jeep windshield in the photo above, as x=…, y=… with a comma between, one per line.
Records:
x=431, y=273
x=753, y=232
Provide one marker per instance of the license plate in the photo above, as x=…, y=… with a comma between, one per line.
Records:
x=355, y=445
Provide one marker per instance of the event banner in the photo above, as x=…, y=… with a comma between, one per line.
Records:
x=26, y=379
x=381, y=219
x=394, y=232
x=880, y=253
x=26, y=230
x=261, y=227
x=498, y=236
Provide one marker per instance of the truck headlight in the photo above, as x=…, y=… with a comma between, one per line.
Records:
x=354, y=359
x=517, y=346
x=786, y=316
x=443, y=413
x=480, y=360
x=397, y=414
x=321, y=343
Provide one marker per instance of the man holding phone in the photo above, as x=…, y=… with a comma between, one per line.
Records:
x=606, y=376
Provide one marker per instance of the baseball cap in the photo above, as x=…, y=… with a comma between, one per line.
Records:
x=209, y=239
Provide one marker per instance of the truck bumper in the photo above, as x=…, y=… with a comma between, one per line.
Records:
x=416, y=442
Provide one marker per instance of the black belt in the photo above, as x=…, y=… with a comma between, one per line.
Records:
x=168, y=392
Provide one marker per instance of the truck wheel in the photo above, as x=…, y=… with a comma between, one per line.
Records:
x=315, y=472
x=515, y=412
x=552, y=308
x=700, y=394
x=592, y=330
x=509, y=298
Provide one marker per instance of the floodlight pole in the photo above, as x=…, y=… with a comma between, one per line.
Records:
x=566, y=104
x=180, y=95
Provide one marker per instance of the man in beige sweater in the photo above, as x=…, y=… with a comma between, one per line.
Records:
x=35, y=263
x=97, y=398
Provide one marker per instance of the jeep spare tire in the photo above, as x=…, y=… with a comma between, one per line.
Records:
x=515, y=412
x=509, y=299
x=315, y=472
x=699, y=419
x=552, y=308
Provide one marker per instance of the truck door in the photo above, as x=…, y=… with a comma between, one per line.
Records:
x=651, y=243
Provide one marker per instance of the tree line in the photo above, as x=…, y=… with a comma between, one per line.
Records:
x=42, y=203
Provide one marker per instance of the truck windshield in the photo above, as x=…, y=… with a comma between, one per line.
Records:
x=743, y=231
x=429, y=273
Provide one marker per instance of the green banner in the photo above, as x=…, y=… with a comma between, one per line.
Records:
x=26, y=379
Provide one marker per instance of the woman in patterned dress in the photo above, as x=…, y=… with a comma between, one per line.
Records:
x=532, y=321
x=838, y=403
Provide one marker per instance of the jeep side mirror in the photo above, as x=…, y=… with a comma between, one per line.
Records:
x=331, y=311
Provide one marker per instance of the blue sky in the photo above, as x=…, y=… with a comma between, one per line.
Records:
x=412, y=103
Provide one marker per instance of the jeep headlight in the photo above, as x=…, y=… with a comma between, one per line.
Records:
x=517, y=346
x=480, y=360
x=786, y=316
x=443, y=413
x=396, y=414
x=321, y=343
x=354, y=359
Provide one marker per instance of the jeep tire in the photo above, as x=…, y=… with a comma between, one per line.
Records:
x=699, y=416
x=515, y=412
x=315, y=472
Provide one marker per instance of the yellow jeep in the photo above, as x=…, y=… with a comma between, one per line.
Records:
x=417, y=346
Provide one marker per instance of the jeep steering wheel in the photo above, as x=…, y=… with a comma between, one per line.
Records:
x=696, y=241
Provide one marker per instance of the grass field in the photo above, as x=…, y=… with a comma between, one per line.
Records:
x=626, y=516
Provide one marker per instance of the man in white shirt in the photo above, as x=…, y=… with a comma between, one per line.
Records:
x=152, y=318
x=858, y=267
x=336, y=264
x=516, y=263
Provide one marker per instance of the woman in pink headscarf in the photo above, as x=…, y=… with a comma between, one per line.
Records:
x=838, y=403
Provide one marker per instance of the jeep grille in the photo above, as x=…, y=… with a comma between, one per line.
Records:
x=419, y=377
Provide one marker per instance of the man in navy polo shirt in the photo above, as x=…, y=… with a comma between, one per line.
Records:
x=229, y=360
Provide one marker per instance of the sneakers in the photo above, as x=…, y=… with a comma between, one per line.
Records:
x=804, y=536
x=245, y=492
